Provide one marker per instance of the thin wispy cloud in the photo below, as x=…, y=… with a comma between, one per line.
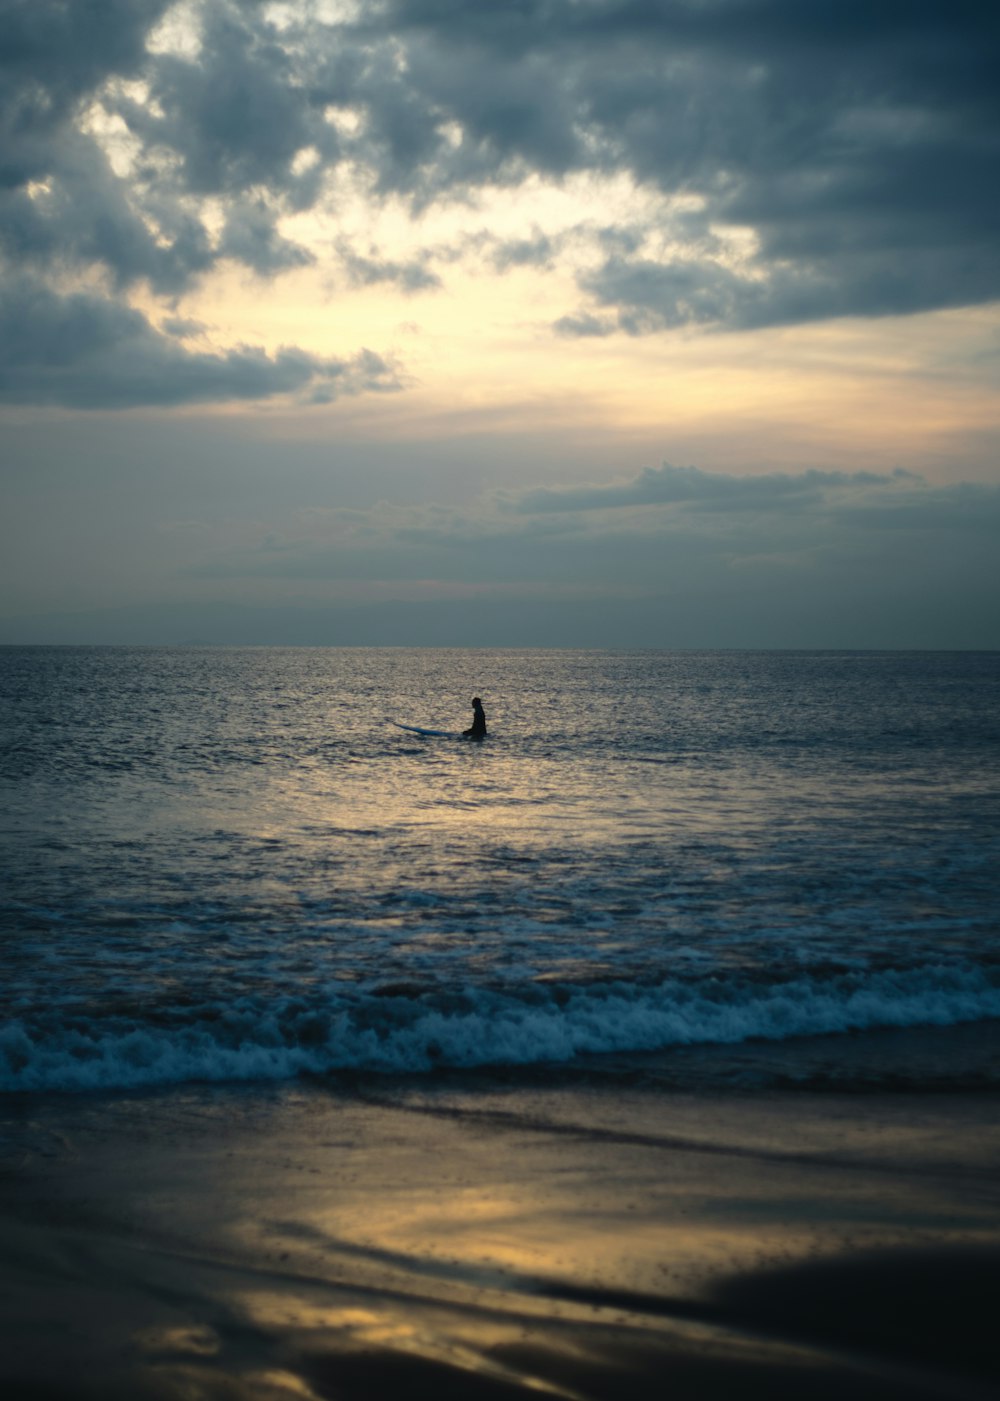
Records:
x=669, y=485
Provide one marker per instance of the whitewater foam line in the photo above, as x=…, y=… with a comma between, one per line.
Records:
x=256, y=1040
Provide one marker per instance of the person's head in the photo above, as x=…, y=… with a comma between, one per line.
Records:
x=476, y=701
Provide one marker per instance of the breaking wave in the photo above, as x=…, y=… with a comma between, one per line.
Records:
x=411, y=1030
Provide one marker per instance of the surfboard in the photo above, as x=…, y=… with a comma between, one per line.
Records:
x=420, y=730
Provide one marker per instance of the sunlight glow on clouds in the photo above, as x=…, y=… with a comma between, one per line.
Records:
x=754, y=234
x=666, y=162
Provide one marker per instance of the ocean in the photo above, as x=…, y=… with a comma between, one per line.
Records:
x=696, y=868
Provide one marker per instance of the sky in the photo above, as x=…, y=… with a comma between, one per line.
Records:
x=630, y=323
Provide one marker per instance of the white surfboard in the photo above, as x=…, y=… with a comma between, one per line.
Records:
x=420, y=730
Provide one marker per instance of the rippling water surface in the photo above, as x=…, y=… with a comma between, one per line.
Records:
x=230, y=864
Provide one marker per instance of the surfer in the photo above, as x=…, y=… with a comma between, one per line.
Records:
x=477, y=730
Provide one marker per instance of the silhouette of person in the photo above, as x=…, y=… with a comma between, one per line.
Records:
x=477, y=730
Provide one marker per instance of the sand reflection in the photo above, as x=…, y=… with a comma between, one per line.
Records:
x=463, y=1342
x=579, y=1245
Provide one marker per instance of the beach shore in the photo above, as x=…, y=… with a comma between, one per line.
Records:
x=432, y=1240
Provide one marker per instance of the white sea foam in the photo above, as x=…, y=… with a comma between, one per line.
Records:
x=410, y=1034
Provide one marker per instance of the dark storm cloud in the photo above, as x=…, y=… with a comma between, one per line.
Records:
x=89, y=352
x=858, y=143
x=64, y=209
x=237, y=115
x=51, y=56
x=251, y=236
x=832, y=159
x=654, y=296
x=84, y=219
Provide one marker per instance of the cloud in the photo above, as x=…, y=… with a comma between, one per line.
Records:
x=717, y=491
x=91, y=352
x=367, y=269
x=60, y=199
x=540, y=250
x=856, y=147
x=232, y=115
x=665, y=527
x=83, y=216
x=676, y=557
x=250, y=236
x=51, y=56
x=809, y=162
x=585, y=324
x=652, y=296
x=684, y=557
x=182, y=326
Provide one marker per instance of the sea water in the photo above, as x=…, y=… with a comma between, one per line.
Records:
x=228, y=864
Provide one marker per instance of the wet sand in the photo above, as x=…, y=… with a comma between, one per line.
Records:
x=574, y=1242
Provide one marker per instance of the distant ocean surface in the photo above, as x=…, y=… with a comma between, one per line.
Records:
x=227, y=864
